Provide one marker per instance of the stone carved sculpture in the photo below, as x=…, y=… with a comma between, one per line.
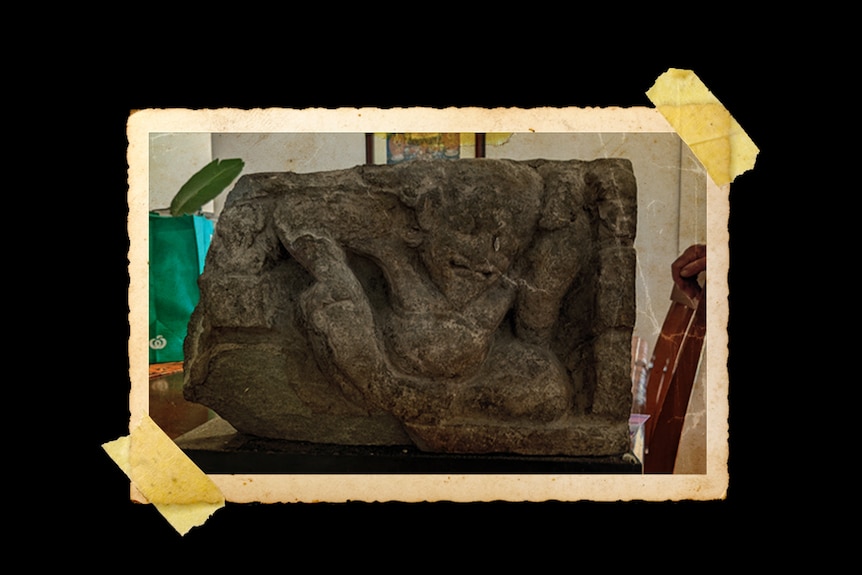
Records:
x=463, y=306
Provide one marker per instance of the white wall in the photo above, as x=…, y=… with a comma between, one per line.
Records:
x=174, y=158
x=285, y=152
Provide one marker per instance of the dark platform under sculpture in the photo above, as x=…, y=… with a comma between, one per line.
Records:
x=216, y=447
x=452, y=306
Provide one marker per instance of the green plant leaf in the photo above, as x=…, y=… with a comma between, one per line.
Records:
x=205, y=185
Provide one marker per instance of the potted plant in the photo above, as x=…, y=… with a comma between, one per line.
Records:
x=178, y=246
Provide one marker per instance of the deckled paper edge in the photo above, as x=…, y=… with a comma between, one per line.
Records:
x=342, y=488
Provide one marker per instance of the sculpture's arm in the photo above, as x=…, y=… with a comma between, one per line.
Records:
x=348, y=218
x=548, y=268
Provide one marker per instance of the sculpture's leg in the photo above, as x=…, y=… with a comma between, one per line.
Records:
x=518, y=382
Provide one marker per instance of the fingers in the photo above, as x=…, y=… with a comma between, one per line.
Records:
x=690, y=263
x=693, y=268
x=685, y=269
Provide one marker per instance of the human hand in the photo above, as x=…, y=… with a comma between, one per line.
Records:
x=686, y=268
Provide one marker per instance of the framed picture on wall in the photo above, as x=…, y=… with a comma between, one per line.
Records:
x=397, y=147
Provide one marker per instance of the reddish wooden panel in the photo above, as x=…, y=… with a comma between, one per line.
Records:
x=674, y=368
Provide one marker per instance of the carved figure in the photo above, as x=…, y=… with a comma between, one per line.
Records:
x=468, y=306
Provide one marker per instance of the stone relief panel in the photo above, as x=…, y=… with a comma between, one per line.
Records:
x=462, y=306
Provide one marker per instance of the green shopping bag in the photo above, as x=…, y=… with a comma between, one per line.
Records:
x=178, y=247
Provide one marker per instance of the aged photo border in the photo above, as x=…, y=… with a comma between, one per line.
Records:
x=414, y=488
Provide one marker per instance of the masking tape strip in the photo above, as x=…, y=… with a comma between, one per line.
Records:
x=165, y=476
x=704, y=125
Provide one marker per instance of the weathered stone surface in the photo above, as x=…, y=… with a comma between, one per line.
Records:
x=470, y=306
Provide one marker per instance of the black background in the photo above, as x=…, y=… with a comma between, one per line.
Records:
x=521, y=64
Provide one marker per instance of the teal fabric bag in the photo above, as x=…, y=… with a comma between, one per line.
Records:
x=178, y=247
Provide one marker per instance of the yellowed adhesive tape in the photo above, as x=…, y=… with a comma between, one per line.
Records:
x=704, y=125
x=176, y=487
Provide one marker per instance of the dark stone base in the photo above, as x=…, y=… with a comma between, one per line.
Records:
x=216, y=447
